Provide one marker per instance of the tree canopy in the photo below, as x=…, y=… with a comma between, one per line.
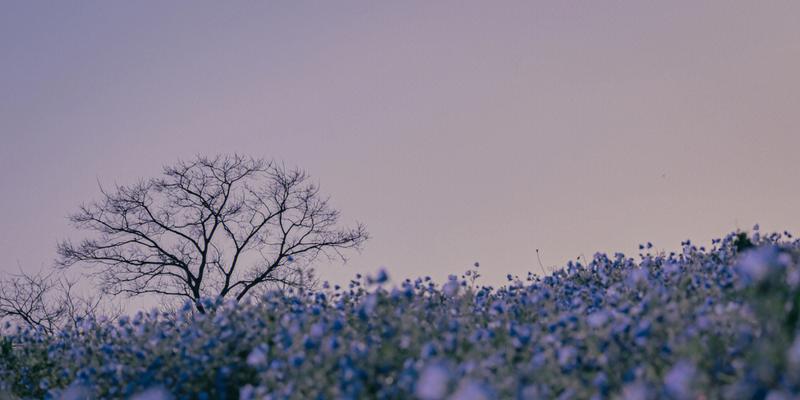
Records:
x=212, y=226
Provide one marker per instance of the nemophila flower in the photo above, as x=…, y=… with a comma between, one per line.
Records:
x=207, y=303
x=566, y=357
x=678, y=380
x=635, y=391
x=643, y=330
x=382, y=276
x=450, y=289
x=428, y=350
x=780, y=395
x=75, y=392
x=297, y=359
x=757, y=264
x=247, y=392
x=317, y=330
x=156, y=393
x=600, y=382
x=597, y=319
x=671, y=268
x=258, y=356
x=637, y=276
x=432, y=383
x=602, y=314
x=337, y=325
x=309, y=343
x=333, y=343
x=471, y=390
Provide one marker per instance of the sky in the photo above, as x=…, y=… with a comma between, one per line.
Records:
x=456, y=131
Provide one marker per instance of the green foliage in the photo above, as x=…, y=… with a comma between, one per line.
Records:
x=742, y=242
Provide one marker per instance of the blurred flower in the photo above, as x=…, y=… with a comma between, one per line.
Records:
x=599, y=328
x=156, y=393
x=679, y=379
x=470, y=390
x=258, y=356
x=597, y=319
x=757, y=264
x=382, y=276
x=247, y=392
x=432, y=383
x=450, y=289
x=76, y=392
x=635, y=391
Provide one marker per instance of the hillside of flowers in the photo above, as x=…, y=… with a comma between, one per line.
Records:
x=718, y=322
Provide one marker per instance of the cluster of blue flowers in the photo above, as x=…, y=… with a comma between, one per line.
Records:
x=718, y=322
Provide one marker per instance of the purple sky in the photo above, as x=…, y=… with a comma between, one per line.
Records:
x=457, y=131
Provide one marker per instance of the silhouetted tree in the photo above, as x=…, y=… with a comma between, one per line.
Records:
x=47, y=301
x=218, y=226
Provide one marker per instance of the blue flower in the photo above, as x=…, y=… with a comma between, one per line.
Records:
x=679, y=379
x=382, y=276
x=432, y=383
x=258, y=356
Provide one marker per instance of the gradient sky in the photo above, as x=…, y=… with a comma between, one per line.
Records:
x=457, y=131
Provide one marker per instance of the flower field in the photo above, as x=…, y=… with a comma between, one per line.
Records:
x=718, y=322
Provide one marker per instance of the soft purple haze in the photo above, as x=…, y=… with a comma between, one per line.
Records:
x=458, y=132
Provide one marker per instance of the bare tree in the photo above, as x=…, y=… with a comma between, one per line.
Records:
x=29, y=299
x=46, y=301
x=87, y=306
x=216, y=226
